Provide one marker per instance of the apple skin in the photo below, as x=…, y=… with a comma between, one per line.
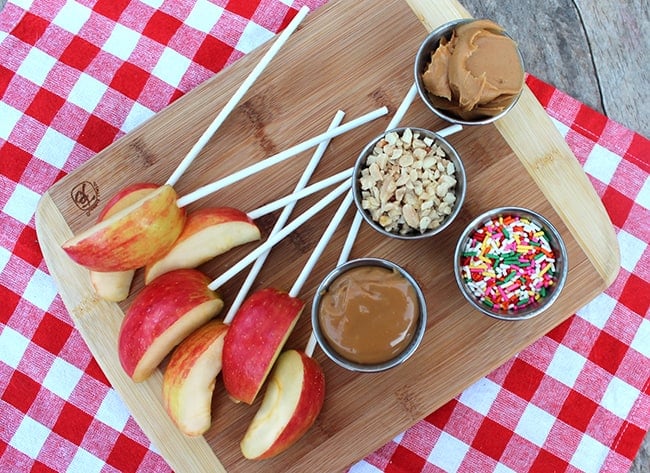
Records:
x=257, y=333
x=125, y=197
x=207, y=233
x=131, y=238
x=115, y=286
x=161, y=316
x=190, y=377
x=293, y=399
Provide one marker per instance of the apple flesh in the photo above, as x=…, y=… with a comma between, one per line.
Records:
x=258, y=332
x=126, y=197
x=131, y=238
x=207, y=233
x=161, y=316
x=112, y=286
x=190, y=377
x=293, y=399
x=115, y=286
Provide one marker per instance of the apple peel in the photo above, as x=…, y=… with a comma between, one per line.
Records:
x=131, y=238
x=207, y=233
x=161, y=316
x=293, y=400
x=190, y=378
x=115, y=286
x=254, y=341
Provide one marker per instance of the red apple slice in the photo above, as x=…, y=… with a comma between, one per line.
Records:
x=208, y=232
x=161, y=316
x=126, y=197
x=257, y=334
x=133, y=237
x=115, y=286
x=293, y=399
x=190, y=377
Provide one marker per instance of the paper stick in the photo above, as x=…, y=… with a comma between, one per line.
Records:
x=403, y=107
x=450, y=130
x=295, y=196
x=282, y=219
x=320, y=246
x=237, y=96
x=282, y=156
x=349, y=240
x=272, y=241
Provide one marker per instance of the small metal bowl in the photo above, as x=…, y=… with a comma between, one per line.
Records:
x=422, y=60
x=459, y=189
x=556, y=244
x=352, y=365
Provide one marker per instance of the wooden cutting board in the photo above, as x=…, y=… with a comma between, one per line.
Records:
x=354, y=56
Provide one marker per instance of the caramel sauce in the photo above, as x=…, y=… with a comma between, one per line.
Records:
x=369, y=314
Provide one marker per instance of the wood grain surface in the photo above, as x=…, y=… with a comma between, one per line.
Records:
x=343, y=59
x=594, y=51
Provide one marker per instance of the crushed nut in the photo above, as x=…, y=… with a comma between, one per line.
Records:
x=408, y=184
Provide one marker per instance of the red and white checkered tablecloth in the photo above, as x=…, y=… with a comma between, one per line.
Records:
x=76, y=75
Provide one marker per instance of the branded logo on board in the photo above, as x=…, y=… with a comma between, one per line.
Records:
x=85, y=195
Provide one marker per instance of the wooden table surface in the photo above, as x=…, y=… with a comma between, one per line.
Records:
x=594, y=51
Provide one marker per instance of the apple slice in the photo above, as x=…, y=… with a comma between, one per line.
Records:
x=293, y=399
x=258, y=332
x=126, y=197
x=161, y=316
x=190, y=377
x=207, y=233
x=115, y=286
x=131, y=238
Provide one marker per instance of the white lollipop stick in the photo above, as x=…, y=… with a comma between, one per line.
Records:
x=275, y=159
x=450, y=130
x=403, y=107
x=282, y=219
x=295, y=196
x=237, y=96
x=273, y=240
x=320, y=246
x=349, y=240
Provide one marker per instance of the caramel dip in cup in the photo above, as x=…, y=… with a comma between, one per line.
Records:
x=369, y=315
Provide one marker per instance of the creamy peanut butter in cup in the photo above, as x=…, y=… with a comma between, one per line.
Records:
x=473, y=71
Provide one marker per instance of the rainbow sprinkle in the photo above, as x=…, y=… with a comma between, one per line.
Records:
x=508, y=264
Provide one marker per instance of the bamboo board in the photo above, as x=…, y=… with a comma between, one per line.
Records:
x=356, y=58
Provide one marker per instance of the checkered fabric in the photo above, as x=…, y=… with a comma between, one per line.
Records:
x=76, y=75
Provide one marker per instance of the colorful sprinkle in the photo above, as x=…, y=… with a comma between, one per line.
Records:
x=508, y=264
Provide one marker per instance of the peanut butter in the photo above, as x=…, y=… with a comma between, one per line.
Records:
x=477, y=73
x=369, y=314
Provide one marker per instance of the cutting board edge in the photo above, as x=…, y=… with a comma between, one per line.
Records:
x=173, y=459
x=559, y=180
x=181, y=452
